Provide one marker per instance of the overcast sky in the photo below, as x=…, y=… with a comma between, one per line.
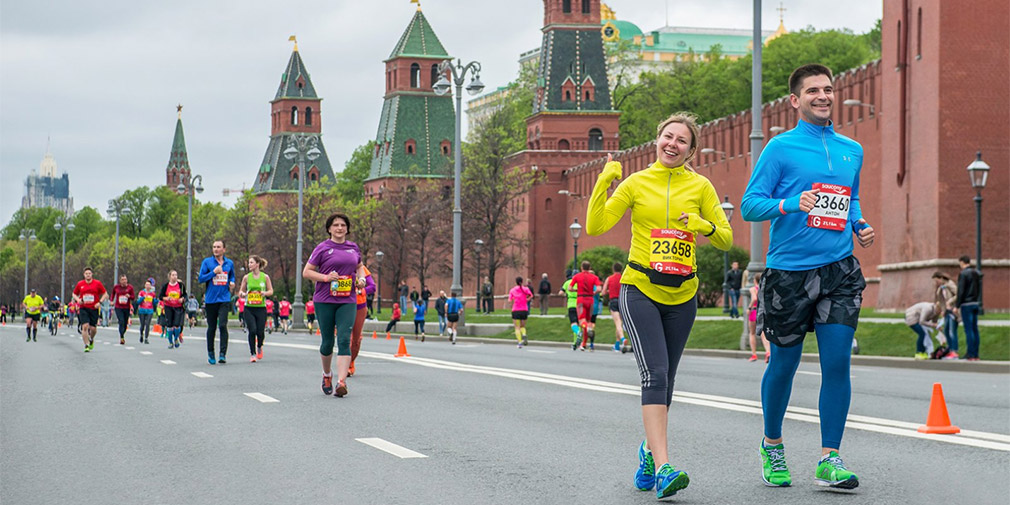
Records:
x=102, y=78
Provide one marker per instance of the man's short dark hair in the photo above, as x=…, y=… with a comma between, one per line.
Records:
x=88, y=268
x=965, y=259
x=586, y=265
x=796, y=78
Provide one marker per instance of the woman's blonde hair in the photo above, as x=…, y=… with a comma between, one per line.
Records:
x=691, y=122
x=259, y=261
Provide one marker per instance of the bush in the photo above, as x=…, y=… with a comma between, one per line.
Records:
x=711, y=274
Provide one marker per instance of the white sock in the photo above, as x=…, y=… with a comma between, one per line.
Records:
x=328, y=374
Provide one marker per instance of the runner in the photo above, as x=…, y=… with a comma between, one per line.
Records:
x=597, y=309
x=192, y=308
x=172, y=295
x=240, y=306
x=570, y=290
x=420, y=308
x=806, y=183
x=32, y=305
x=519, y=297
x=359, y=318
x=752, y=321
x=122, y=297
x=440, y=310
x=88, y=294
x=612, y=287
x=217, y=274
x=335, y=266
x=54, y=314
x=453, y=308
x=670, y=206
x=588, y=285
x=285, y=312
x=310, y=314
x=256, y=286
x=147, y=299
x=270, y=314
x=72, y=309
x=3, y=314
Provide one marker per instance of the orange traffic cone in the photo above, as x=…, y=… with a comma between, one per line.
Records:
x=375, y=334
x=938, y=421
x=402, y=351
x=387, y=336
x=156, y=328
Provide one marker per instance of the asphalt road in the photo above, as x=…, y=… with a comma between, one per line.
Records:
x=494, y=424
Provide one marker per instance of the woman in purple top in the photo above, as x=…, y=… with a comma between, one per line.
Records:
x=335, y=266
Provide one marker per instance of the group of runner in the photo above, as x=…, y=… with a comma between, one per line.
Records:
x=806, y=182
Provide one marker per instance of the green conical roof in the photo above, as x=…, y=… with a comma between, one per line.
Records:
x=419, y=40
x=178, y=159
x=295, y=81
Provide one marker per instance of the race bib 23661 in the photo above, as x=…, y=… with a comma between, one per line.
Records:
x=831, y=211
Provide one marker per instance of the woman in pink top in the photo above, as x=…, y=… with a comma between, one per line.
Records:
x=520, y=297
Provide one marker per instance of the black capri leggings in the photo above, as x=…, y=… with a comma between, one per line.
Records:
x=145, y=324
x=658, y=335
x=123, y=317
x=217, y=317
x=256, y=324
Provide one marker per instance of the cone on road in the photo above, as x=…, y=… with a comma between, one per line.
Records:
x=156, y=328
x=375, y=335
x=387, y=336
x=938, y=421
x=402, y=351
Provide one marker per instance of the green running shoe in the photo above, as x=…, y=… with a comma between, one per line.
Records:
x=670, y=480
x=831, y=472
x=775, y=473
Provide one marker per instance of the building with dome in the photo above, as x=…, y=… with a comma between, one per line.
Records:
x=43, y=188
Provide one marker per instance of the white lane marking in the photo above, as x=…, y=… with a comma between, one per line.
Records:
x=541, y=352
x=168, y=362
x=808, y=373
x=391, y=448
x=129, y=348
x=106, y=343
x=202, y=375
x=262, y=398
x=995, y=441
x=146, y=353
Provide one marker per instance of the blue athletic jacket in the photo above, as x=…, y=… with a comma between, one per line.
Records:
x=221, y=293
x=791, y=163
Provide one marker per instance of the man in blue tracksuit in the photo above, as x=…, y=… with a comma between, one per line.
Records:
x=218, y=274
x=806, y=183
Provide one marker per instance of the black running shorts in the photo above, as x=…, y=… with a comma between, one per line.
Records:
x=520, y=315
x=573, y=316
x=615, y=305
x=88, y=316
x=790, y=303
x=452, y=318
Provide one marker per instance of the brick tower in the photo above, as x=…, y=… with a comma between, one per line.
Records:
x=177, y=171
x=415, y=133
x=294, y=110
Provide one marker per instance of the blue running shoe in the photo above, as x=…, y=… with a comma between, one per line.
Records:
x=669, y=481
x=210, y=358
x=221, y=359
x=645, y=477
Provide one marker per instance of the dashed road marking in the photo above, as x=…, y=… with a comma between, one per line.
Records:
x=146, y=353
x=541, y=352
x=262, y=397
x=168, y=362
x=391, y=448
x=129, y=348
x=202, y=375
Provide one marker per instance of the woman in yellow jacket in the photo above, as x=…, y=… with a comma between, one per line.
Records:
x=671, y=205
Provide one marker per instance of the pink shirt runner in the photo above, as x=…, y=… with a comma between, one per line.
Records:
x=519, y=296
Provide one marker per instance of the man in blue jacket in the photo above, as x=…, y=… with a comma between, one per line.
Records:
x=217, y=273
x=806, y=183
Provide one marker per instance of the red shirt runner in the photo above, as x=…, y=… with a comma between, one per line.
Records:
x=285, y=308
x=122, y=297
x=310, y=307
x=174, y=295
x=614, y=286
x=90, y=293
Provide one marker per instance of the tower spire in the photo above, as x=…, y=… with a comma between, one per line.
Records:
x=178, y=110
x=295, y=40
x=418, y=2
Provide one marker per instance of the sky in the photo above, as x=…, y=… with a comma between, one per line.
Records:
x=99, y=80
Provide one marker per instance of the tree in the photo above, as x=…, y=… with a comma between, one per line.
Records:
x=239, y=230
x=393, y=219
x=88, y=223
x=711, y=274
x=132, y=224
x=350, y=182
x=167, y=210
x=429, y=230
x=490, y=188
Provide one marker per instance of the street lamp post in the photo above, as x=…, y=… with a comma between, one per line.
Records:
x=378, y=280
x=188, y=188
x=117, y=208
x=978, y=171
x=28, y=235
x=575, y=229
x=727, y=208
x=757, y=249
x=478, y=245
x=63, y=225
x=458, y=74
x=300, y=146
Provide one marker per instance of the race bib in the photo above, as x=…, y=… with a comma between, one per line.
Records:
x=254, y=298
x=342, y=286
x=221, y=279
x=831, y=211
x=33, y=308
x=123, y=299
x=671, y=251
x=88, y=298
x=173, y=295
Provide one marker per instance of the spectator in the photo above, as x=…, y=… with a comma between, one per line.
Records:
x=487, y=295
x=545, y=292
x=969, y=291
x=404, y=291
x=395, y=318
x=733, y=281
x=946, y=294
x=440, y=309
x=918, y=317
x=425, y=294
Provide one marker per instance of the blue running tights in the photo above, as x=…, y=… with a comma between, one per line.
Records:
x=834, y=342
